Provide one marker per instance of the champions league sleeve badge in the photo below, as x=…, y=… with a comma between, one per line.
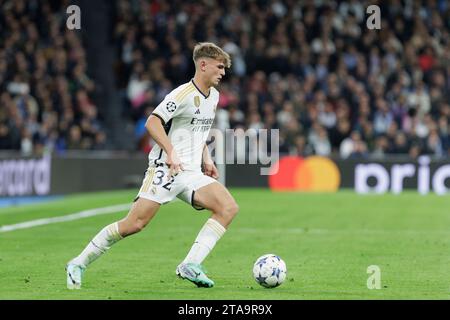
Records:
x=171, y=106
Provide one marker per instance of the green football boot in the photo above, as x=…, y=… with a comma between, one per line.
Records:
x=74, y=275
x=195, y=273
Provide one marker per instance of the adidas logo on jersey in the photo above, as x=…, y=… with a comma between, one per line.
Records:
x=197, y=112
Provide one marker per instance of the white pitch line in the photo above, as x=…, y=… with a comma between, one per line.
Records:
x=70, y=217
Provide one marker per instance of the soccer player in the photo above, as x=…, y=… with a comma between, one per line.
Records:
x=180, y=125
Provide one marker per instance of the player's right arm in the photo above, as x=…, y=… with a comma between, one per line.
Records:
x=170, y=107
x=209, y=167
x=156, y=130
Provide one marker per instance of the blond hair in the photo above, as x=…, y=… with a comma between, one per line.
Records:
x=210, y=50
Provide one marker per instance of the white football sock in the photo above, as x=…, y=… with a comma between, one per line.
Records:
x=206, y=239
x=99, y=245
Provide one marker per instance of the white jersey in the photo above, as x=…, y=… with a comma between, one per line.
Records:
x=188, y=116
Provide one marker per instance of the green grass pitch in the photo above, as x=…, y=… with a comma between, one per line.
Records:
x=327, y=240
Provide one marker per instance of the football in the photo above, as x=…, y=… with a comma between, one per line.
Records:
x=269, y=270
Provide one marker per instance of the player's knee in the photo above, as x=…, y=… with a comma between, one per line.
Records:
x=230, y=209
x=234, y=209
x=137, y=226
x=140, y=225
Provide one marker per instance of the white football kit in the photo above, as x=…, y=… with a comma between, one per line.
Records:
x=187, y=115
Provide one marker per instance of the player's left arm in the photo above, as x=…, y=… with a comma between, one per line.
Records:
x=209, y=167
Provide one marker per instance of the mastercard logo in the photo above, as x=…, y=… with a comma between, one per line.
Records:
x=317, y=174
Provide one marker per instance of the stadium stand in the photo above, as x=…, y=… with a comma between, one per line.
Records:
x=309, y=68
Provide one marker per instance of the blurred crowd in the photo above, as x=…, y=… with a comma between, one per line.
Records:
x=45, y=92
x=312, y=69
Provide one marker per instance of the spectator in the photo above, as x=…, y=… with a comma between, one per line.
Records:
x=381, y=147
x=383, y=117
x=339, y=133
x=400, y=144
x=433, y=144
x=320, y=142
x=359, y=150
x=349, y=144
x=75, y=139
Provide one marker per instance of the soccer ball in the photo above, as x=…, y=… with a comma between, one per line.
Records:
x=269, y=270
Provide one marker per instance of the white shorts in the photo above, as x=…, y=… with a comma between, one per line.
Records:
x=158, y=188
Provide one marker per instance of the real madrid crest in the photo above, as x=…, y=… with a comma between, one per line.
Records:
x=197, y=101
